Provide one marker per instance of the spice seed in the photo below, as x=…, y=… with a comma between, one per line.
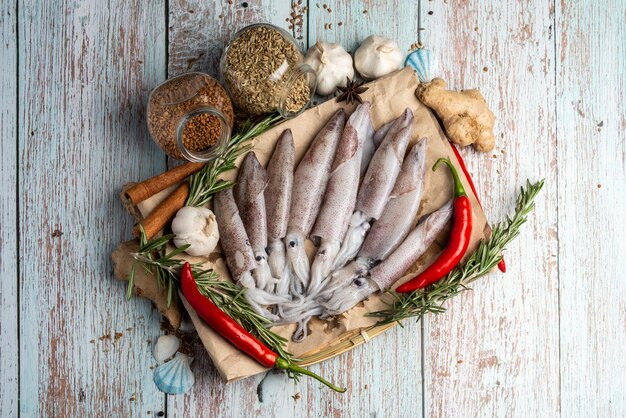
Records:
x=201, y=132
x=252, y=60
x=165, y=112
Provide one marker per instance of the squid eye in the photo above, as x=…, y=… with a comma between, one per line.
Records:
x=359, y=282
x=259, y=258
x=292, y=244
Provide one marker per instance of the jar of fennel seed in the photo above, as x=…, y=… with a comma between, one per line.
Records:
x=190, y=117
x=264, y=71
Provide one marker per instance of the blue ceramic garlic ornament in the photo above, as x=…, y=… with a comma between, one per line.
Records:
x=175, y=376
x=424, y=62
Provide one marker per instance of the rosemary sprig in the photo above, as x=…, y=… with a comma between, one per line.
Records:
x=229, y=297
x=206, y=182
x=482, y=261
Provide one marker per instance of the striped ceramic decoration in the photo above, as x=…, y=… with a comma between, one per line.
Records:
x=175, y=376
x=424, y=63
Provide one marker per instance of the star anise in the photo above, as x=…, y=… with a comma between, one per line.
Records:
x=351, y=92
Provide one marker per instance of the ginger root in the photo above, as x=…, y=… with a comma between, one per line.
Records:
x=465, y=115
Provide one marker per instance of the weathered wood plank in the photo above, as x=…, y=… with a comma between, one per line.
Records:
x=385, y=375
x=381, y=381
x=486, y=355
x=8, y=214
x=350, y=22
x=85, y=70
x=198, y=30
x=591, y=130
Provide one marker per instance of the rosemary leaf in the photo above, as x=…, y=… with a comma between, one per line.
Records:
x=131, y=282
x=488, y=254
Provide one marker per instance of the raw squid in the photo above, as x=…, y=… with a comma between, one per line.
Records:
x=381, y=133
x=250, y=198
x=389, y=231
x=309, y=185
x=385, y=274
x=395, y=222
x=277, y=203
x=371, y=144
x=340, y=197
x=238, y=253
x=376, y=187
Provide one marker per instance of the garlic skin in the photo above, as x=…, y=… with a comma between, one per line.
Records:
x=377, y=56
x=332, y=64
x=197, y=227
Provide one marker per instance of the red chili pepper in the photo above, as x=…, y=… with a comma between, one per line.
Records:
x=230, y=329
x=457, y=154
x=459, y=238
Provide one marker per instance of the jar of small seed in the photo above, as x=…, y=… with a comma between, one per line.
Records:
x=264, y=71
x=190, y=117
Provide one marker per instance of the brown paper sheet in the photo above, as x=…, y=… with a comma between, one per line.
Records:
x=389, y=97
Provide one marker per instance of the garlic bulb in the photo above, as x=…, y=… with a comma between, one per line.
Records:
x=165, y=347
x=196, y=227
x=332, y=64
x=377, y=56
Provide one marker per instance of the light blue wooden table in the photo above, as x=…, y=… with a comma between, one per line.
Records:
x=546, y=339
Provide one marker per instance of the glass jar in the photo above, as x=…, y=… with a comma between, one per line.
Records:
x=190, y=117
x=264, y=71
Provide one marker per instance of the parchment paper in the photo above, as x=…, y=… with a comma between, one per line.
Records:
x=389, y=97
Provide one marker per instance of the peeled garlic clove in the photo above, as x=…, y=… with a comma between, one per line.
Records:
x=424, y=62
x=165, y=347
x=377, y=56
x=332, y=64
x=196, y=227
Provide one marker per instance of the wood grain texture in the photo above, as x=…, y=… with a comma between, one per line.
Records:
x=85, y=71
x=350, y=22
x=9, y=385
x=546, y=339
x=198, y=30
x=591, y=131
x=376, y=376
x=496, y=351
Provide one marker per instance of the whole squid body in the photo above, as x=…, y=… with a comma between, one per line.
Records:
x=341, y=193
x=370, y=147
x=238, y=253
x=385, y=274
x=250, y=199
x=309, y=185
x=377, y=185
x=388, y=232
x=277, y=204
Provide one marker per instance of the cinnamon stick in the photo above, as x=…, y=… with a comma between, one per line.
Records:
x=148, y=188
x=164, y=212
